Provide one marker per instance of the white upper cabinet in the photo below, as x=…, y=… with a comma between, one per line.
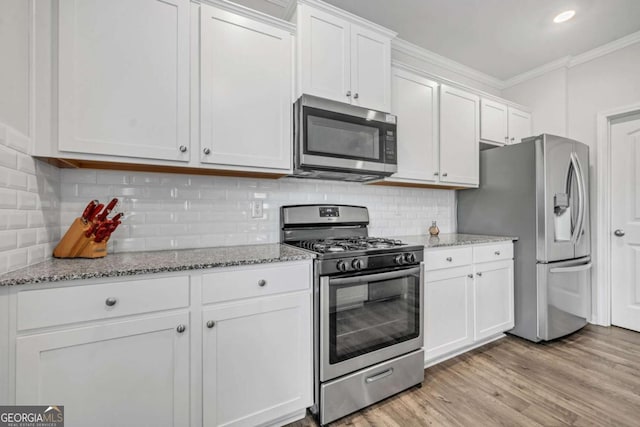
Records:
x=459, y=135
x=519, y=125
x=245, y=92
x=123, y=78
x=501, y=124
x=415, y=101
x=493, y=122
x=343, y=58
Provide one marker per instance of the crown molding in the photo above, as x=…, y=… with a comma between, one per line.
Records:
x=290, y=10
x=251, y=13
x=538, y=71
x=572, y=61
x=433, y=58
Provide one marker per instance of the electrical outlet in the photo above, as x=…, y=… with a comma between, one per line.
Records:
x=256, y=209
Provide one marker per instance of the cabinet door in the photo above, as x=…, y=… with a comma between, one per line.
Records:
x=459, y=136
x=246, y=79
x=448, y=311
x=123, y=78
x=257, y=360
x=415, y=102
x=370, y=69
x=129, y=373
x=493, y=296
x=519, y=125
x=324, y=54
x=493, y=122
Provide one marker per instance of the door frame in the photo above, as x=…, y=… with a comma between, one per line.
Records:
x=603, y=207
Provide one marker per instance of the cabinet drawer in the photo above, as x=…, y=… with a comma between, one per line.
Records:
x=489, y=253
x=51, y=307
x=254, y=282
x=445, y=258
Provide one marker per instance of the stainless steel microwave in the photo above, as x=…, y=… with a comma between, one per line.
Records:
x=333, y=140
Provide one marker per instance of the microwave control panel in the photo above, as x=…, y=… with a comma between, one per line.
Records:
x=390, y=146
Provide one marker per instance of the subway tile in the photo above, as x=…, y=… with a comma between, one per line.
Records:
x=26, y=237
x=17, y=259
x=8, y=240
x=8, y=157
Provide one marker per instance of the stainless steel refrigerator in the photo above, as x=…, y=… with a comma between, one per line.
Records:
x=538, y=191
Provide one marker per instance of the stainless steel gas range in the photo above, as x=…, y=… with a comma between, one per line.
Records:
x=368, y=311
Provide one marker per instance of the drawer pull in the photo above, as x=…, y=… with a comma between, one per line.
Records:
x=262, y=282
x=497, y=253
x=110, y=302
x=181, y=329
x=470, y=276
x=449, y=259
x=479, y=274
x=211, y=324
x=379, y=376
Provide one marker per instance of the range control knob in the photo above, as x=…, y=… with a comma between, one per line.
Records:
x=357, y=264
x=342, y=266
x=399, y=259
x=410, y=258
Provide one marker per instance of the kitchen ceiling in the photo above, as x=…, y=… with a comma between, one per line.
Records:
x=502, y=38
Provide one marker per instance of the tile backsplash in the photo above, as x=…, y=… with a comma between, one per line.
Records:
x=29, y=209
x=172, y=211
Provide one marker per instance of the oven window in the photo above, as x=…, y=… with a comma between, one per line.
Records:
x=343, y=139
x=365, y=317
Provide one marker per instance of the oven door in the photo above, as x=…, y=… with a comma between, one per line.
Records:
x=368, y=319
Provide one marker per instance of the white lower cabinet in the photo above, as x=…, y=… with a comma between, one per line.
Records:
x=468, y=298
x=166, y=350
x=493, y=295
x=257, y=360
x=125, y=373
x=448, y=310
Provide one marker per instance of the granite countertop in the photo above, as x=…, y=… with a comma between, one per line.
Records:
x=134, y=263
x=453, y=239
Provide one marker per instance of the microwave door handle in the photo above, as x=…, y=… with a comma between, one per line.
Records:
x=374, y=277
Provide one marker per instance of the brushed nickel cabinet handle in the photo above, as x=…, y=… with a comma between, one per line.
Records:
x=356, y=96
x=183, y=148
x=449, y=259
x=111, y=301
x=619, y=233
x=262, y=282
x=211, y=324
x=479, y=274
x=470, y=276
x=497, y=253
x=348, y=93
x=445, y=174
x=181, y=329
x=207, y=151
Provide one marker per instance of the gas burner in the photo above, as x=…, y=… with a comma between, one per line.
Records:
x=355, y=243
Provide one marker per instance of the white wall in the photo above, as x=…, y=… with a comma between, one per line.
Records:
x=183, y=211
x=570, y=99
x=29, y=189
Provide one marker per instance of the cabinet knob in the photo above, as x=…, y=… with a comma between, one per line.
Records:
x=262, y=282
x=497, y=253
x=445, y=174
x=470, y=276
x=436, y=173
x=211, y=324
x=110, y=302
x=479, y=274
x=506, y=139
x=512, y=139
x=183, y=148
x=348, y=93
x=181, y=329
x=207, y=151
x=449, y=259
x=356, y=96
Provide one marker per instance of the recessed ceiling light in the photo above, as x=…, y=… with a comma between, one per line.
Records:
x=564, y=16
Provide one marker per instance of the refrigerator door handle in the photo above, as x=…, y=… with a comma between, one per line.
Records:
x=573, y=269
x=581, y=197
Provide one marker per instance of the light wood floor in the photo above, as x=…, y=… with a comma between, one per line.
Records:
x=591, y=378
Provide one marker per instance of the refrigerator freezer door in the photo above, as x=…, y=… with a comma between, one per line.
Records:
x=564, y=297
x=583, y=237
x=555, y=198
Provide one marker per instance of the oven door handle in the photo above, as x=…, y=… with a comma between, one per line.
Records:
x=374, y=277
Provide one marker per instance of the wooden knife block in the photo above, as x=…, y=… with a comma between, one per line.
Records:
x=75, y=244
